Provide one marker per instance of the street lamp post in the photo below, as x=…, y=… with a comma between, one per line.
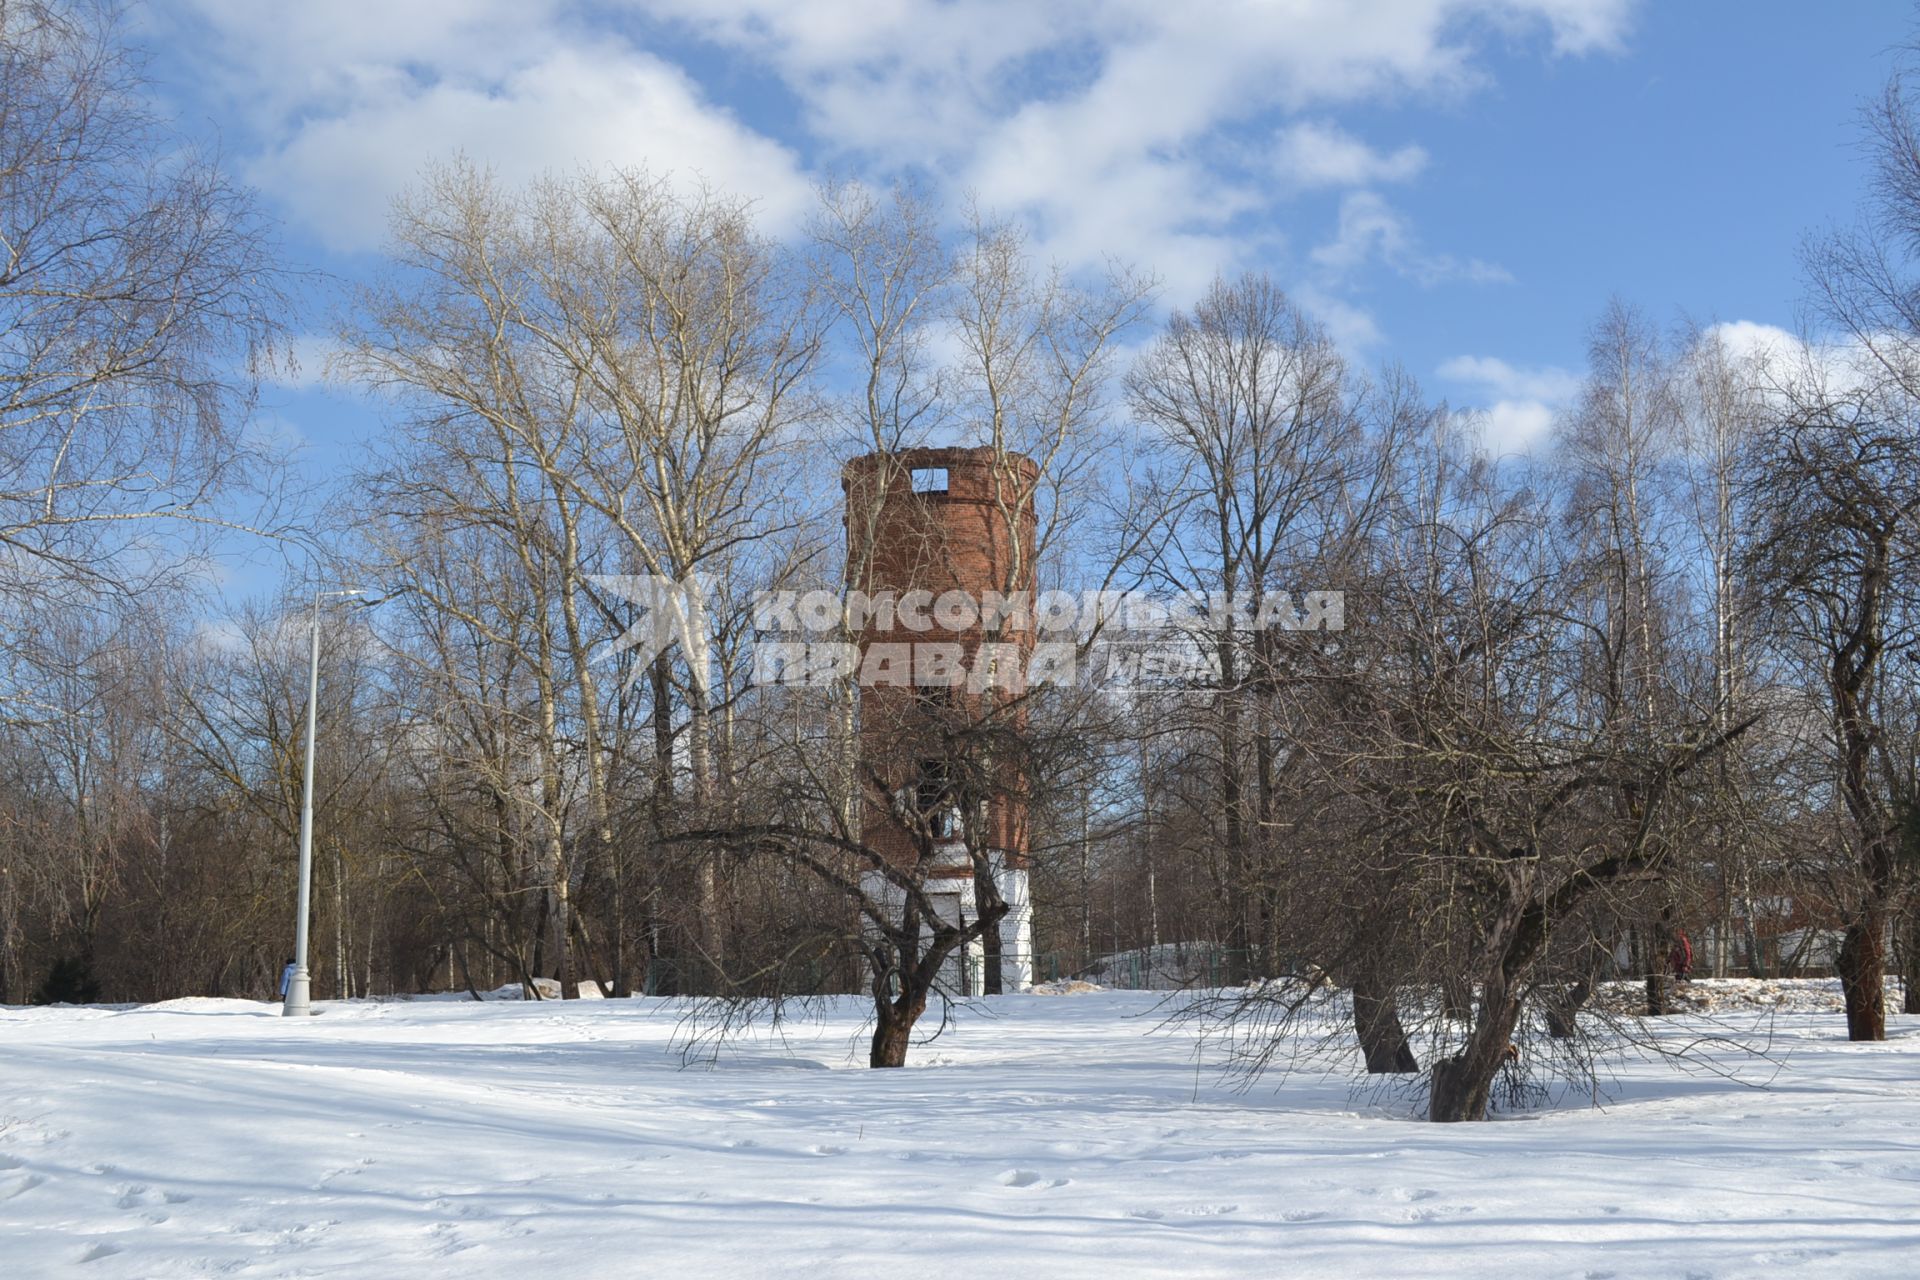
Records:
x=299, y=1003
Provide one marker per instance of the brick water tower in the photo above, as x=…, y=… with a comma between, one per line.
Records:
x=940, y=547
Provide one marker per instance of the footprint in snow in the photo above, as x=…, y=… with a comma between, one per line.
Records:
x=1435, y=1214
x=359, y=1166
x=19, y=1185
x=1791, y=1257
x=97, y=1250
x=1302, y=1215
x=1028, y=1178
x=824, y=1150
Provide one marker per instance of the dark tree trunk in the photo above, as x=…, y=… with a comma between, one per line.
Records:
x=1563, y=1010
x=659, y=975
x=563, y=942
x=891, y=1035
x=540, y=924
x=1659, y=977
x=1862, y=966
x=894, y=1020
x=585, y=946
x=1235, y=963
x=622, y=987
x=459, y=953
x=1383, y=1041
x=992, y=966
x=1863, y=960
x=1910, y=973
x=1463, y=1084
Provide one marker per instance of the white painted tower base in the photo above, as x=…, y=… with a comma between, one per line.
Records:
x=964, y=973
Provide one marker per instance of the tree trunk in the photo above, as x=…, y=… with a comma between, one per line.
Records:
x=1376, y=1022
x=1862, y=967
x=342, y=971
x=1456, y=1001
x=992, y=964
x=893, y=1026
x=713, y=924
x=1239, y=937
x=542, y=916
x=1660, y=964
x=563, y=939
x=890, y=1038
x=617, y=907
x=1463, y=1083
x=657, y=978
x=713, y=940
x=1563, y=1010
x=458, y=955
x=1910, y=975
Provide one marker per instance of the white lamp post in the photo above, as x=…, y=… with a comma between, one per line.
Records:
x=299, y=1003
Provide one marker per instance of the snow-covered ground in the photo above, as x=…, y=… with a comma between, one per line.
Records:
x=1040, y=1136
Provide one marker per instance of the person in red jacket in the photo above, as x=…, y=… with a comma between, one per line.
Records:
x=1680, y=960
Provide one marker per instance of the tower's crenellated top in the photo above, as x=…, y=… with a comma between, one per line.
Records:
x=946, y=474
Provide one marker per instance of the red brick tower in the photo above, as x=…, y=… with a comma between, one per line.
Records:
x=940, y=542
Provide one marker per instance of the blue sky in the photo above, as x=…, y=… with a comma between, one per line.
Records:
x=1458, y=185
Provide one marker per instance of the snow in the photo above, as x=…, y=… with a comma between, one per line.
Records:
x=1038, y=1135
x=1721, y=995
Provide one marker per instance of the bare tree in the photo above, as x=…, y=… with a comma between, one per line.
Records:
x=1863, y=280
x=140, y=302
x=1274, y=475
x=1617, y=447
x=1841, y=491
x=1722, y=400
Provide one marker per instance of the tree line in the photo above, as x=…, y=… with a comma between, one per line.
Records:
x=1654, y=679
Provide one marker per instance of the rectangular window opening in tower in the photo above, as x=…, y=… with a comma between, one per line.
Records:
x=929, y=479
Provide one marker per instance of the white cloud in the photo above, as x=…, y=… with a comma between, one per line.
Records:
x=1787, y=362
x=1352, y=328
x=303, y=363
x=1511, y=428
x=1321, y=154
x=1548, y=383
x=1578, y=26
x=1101, y=119
x=1115, y=127
x=217, y=636
x=1370, y=229
x=1751, y=339
x=354, y=99
x=1513, y=408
